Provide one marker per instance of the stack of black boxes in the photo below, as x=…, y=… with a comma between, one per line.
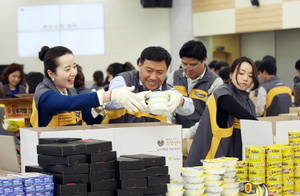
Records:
x=142, y=172
x=79, y=167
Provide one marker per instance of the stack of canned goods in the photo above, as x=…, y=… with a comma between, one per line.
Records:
x=297, y=170
x=255, y=156
x=287, y=170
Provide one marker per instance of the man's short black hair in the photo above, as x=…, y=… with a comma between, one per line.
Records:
x=297, y=65
x=193, y=49
x=267, y=65
x=156, y=53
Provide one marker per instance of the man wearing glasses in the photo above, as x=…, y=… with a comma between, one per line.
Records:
x=193, y=80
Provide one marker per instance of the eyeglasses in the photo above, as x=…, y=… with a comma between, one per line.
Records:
x=190, y=66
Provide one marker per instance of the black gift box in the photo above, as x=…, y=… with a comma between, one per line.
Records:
x=102, y=166
x=66, y=160
x=77, y=194
x=56, y=140
x=124, y=163
x=150, y=160
x=103, y=156
x=132, y=183
x=34, y=168
x=129, y=192
x=70, y=178
x=101, y=193
x=130, y=174
x=70, y=188
x=156, y=189
x=158, y=180
x=157, y=170
x=102, y=185
x=104, y=175
x=61, y=149
x=95, y=146
x=81, y=168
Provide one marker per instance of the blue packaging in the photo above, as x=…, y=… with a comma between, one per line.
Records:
x=7, y=189
x=33, y=178
x=4, y=181
x=49, y=186
x=15, y=194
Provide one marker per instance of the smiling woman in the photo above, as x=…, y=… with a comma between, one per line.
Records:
x=57, y=103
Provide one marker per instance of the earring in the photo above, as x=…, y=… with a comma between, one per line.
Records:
x=52, y=79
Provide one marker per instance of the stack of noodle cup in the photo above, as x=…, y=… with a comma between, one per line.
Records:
x=242, y=171
x=255, y=156
x=287, y=169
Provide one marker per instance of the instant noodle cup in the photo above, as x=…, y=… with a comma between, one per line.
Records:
x=241, y=164
x=294, y=134
x=274, y=158
x=256, y=166
x=255, y=151
x=255, y=159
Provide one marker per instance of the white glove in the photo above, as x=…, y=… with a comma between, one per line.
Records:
x=144, y=108
x=186, y=134
x=129, y=100
x=173, y=103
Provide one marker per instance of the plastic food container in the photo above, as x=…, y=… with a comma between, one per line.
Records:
x=214, y=189
x=213, y=183
x=233, y=185
x=157, y=102
x=189, y=186
x=175, y=193
x=230, y=161
x=194, y=192
x=192, y=171
x=212, y=177
x=229, y=180
x=213, y=171
x=177, y=186
x=193, y=180
x=230, y=174
x=213, y=163
x=230, y=191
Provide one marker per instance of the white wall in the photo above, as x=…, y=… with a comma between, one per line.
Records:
x=129, y=28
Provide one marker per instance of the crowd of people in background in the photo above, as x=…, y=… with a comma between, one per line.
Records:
x=197, y=91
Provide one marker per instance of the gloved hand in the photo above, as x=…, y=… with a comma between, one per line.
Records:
x=173, y=103
x=144, y=108
x=129, y=100
x=186, y=133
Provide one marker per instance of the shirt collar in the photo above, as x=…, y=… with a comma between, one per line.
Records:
x=198, y=78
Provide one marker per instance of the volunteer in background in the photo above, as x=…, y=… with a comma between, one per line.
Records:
x=274, y=96
x=297, y=86
x=57, y=103
x=151, y=75
x=13, y=78
x=32, y=80
x=194, y=80
x=219, y=133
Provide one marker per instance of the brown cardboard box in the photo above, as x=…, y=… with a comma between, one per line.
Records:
x=18, y=107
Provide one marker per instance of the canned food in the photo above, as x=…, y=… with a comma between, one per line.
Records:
x=294, y=134
x=242, y=164
x=256, y=166
x=287, y=171
x=294, y=142
x=273, y=165
x=274, y=186
x=256, y=159
x=288, y=164
x=274, y=192
x=287, y=150
x=257, y=179
x=273, y=150
x=274, y=158
x=296, y=158
x=296, y=150
x=287, y=157
x=288, y=192
x=287, y=185
x=274, y=172
x=257, y=173
x=255, y=150
x=274, y=179
x=297, y=183
x=296, y=177
x=286, y=178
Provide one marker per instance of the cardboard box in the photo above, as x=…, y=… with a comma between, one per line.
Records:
x=150, y=160
x=61, y=149
x=268, y=130
x=81, y=168
x=102, y=166
x=102, y=185
x=101, y=193
x=70, y=188
x=162, y=139
x=104, y=175
x=156, y=171
x=17, y=107
x=56, y=140
x=9, y=159
x=132, y=183
x=158, y=180
x=130, y=174
x=129, y=192
x=124, y=163
x=160, y=189
x=66, y=160
x=94, y=146
x=103, y=156
x=70, y=178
